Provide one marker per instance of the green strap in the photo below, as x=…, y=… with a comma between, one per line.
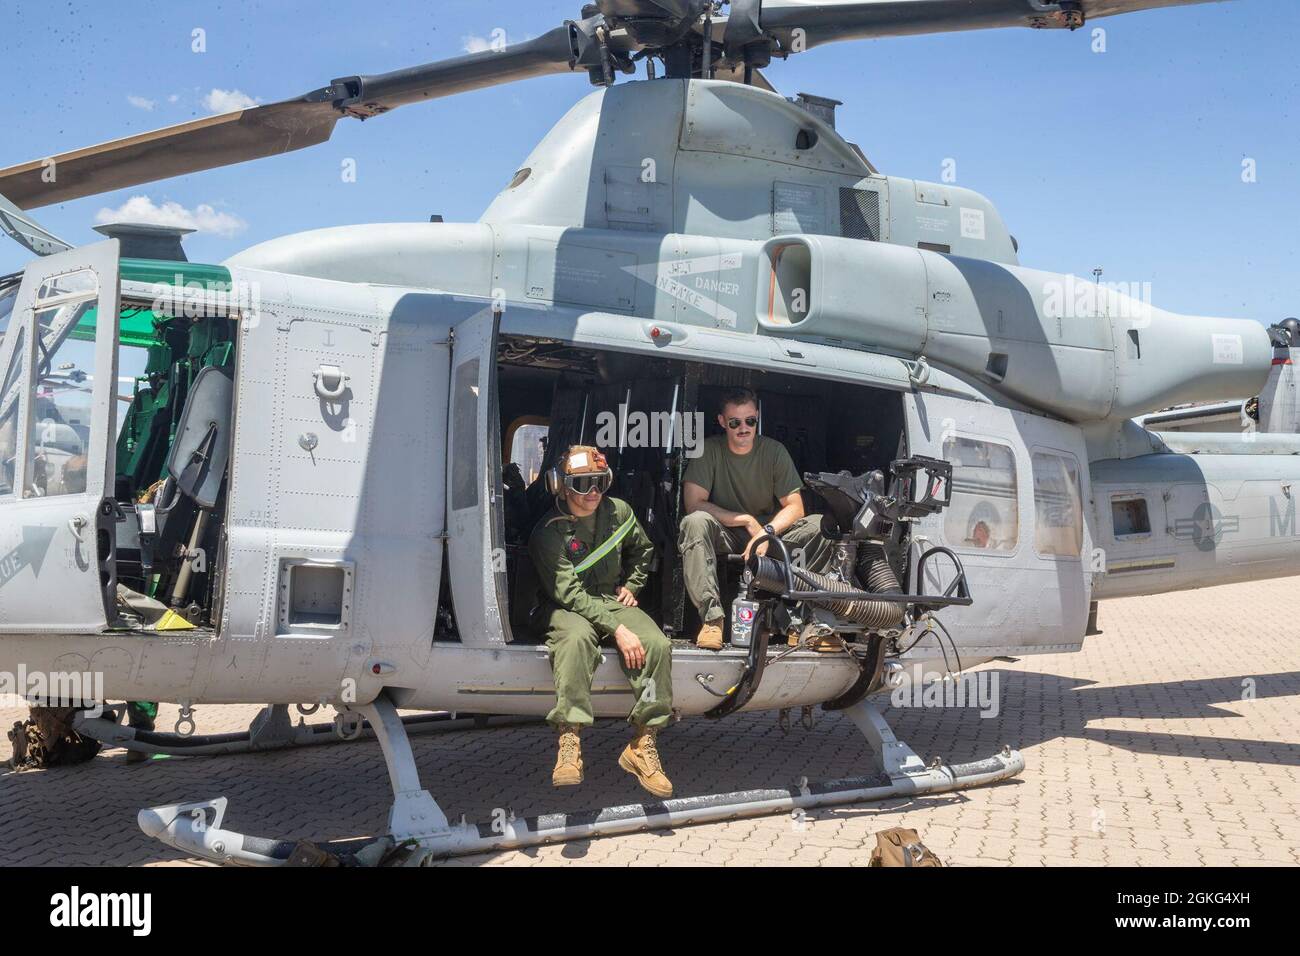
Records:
x=610, y=544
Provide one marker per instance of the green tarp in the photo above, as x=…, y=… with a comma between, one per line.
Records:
x=137, y=324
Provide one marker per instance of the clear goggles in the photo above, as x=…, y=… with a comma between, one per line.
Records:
x=586, y=484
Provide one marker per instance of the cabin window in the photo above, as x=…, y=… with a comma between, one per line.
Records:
x=1058, y=505
x=465, y=437
x=1130, y=517
x=526, y=446
x=984, y=513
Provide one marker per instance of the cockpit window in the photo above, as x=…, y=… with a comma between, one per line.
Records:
x=10, y=388
x=80, y=283
x=62, y=400
x=7, y=297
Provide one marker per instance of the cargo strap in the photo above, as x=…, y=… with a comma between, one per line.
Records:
x=609, y=545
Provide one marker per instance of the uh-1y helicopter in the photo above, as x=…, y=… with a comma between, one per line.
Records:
x=327, y=419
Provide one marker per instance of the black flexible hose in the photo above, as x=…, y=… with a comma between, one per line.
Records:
x=770, y=574
x=875, y=569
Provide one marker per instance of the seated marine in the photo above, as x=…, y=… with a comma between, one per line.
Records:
x=741, y=488
x=592, y=558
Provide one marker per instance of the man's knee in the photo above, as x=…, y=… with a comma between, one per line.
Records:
x=696, y=527
x=656, y=645
x=571, y=635
x=806, y=528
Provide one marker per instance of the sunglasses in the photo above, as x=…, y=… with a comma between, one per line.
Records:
x=586, y=484
x=734, y=423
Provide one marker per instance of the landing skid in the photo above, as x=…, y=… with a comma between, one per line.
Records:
x=271, y=729
x=417, y=821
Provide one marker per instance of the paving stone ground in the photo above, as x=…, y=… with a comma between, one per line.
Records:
x=1172, y=738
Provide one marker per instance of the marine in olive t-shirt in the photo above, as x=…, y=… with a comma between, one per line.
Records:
x=752, y=484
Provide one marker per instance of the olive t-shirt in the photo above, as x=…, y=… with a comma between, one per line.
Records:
x=752, y=484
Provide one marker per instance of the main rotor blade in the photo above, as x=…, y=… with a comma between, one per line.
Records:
x=275, y=128
x=173, y=151
x=552, y=52
x=824, y=21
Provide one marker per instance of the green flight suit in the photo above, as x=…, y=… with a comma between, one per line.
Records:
x=579, y=611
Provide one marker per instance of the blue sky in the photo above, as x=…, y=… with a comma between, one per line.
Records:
x=1130, y=160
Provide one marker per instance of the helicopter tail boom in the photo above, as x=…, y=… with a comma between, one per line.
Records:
x=1081, y=350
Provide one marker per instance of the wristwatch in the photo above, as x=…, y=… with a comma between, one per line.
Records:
x=769, y=529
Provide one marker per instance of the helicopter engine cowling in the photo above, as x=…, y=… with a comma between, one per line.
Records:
x=1086, y=351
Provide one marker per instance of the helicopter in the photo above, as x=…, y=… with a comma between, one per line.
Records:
x=312, y=481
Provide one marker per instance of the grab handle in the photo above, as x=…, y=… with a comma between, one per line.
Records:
x=330, y=382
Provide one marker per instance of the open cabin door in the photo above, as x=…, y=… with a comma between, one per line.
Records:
x=1016, y=521
x=57, y=444
x=475, y=542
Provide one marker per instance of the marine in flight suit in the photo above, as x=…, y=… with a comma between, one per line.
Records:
x=592, y=558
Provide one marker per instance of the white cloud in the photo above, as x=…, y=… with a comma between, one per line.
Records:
x=496, y=40
x=141, y=103
x=227, y=101
x=173, y=98
x=202, y=218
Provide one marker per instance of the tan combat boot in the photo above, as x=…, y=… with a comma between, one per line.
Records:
x=710, y=636
x=641, y=759
x=568, y=763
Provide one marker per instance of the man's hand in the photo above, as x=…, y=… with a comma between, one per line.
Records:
x=629, y=645
x=625, y=597
x=755, y=531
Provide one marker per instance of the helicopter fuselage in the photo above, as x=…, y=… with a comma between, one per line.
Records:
x=666, y=239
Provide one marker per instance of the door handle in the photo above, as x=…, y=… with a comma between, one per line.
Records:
x=77, y=524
